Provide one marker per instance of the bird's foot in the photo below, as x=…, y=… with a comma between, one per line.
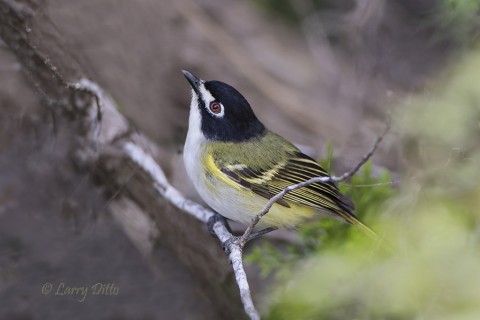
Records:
x=227, y=245
x=214, y=219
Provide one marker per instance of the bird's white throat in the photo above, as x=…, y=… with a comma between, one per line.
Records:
x=194, y=142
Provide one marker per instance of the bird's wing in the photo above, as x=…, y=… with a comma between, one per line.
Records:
x=292, y=167
x=295, y=168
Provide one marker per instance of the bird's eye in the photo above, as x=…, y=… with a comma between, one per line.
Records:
x=215, y=107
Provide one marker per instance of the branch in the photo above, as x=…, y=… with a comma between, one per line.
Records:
x=145, y=161
x=244, y=238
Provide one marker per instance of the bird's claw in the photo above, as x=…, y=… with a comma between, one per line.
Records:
x=214, y=219
x=226, y=245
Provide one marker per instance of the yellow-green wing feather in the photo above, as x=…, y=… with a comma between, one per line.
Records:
x=267, y=167
x=292, y=170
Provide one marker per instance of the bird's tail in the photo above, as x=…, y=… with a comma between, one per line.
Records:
x=352, y=219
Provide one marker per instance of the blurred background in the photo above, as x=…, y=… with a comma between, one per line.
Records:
x=325, y=74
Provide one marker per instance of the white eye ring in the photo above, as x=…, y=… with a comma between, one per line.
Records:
x=216, y=108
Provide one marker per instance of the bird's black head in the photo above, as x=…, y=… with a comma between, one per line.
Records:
x=222, y=112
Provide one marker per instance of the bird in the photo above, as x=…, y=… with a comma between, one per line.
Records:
x=236, y=164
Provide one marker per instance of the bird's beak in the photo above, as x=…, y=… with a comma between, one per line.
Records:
x=194, y=81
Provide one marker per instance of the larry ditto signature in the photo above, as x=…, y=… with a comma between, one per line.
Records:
x=81, y=292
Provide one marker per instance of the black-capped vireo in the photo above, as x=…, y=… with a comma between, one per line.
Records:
x=237, y=165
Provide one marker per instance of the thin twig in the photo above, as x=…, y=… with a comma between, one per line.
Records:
x=277, y=197
x=366, y=157
x=369, y=185
x=244, y=238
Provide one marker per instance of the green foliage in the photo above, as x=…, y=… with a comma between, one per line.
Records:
x=432, y=223
x=459, y=19
x=327, y=161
